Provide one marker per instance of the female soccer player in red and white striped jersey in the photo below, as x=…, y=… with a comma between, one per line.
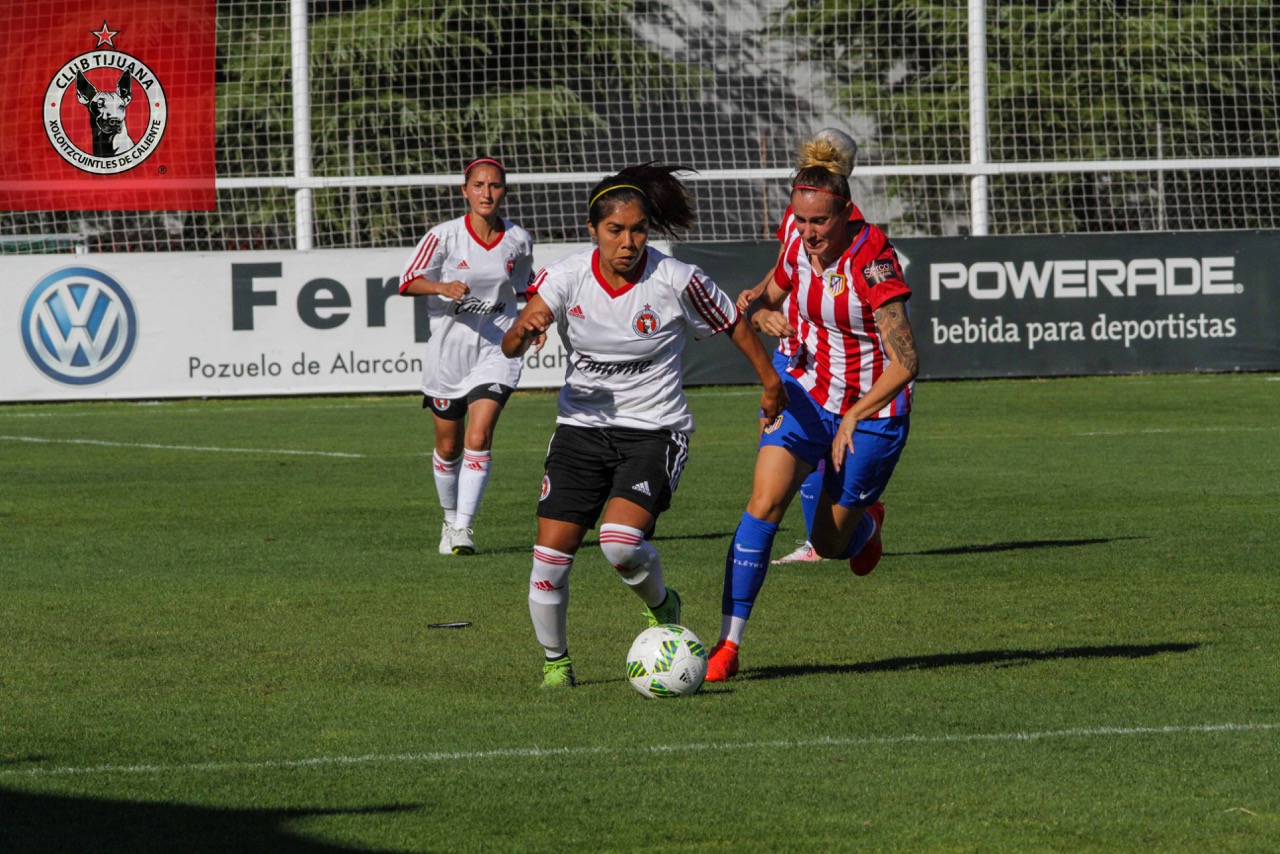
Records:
x=782, y=326
x=849, y=385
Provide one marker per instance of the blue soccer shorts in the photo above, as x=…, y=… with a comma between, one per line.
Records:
x=806, y=430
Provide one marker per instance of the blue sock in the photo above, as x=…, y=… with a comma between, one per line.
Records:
x=746, y=564
x=862, y=532
x=809, y=492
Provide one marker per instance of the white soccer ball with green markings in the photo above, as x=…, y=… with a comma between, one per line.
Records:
x=667, y=661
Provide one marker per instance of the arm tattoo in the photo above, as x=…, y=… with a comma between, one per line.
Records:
x=891, y=320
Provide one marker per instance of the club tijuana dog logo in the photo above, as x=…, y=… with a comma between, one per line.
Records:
x=105, y=111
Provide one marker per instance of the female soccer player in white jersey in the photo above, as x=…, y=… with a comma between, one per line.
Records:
x=624, y=312
x=470, y=269
x=782, y=326
x=848, y=384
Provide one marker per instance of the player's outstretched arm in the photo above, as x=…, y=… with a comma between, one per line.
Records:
x=774, y=397
x=904, y=364
x=752, y=294
x=423, y=287
x=749, y=296
x=764, y=312
x=530, y=326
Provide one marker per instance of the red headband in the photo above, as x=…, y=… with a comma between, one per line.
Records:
x=820, y=190
x=474, y=163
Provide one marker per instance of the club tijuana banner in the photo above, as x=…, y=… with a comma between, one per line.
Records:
x=111, y=106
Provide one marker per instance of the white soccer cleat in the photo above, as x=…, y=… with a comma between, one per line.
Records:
x=804, y=554
x=462, y=542
x=446, y=539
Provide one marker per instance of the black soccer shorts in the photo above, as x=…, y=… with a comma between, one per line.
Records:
x=455, y=409
x=587, y=466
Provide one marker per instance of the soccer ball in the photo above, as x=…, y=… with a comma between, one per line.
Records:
x=667, y=661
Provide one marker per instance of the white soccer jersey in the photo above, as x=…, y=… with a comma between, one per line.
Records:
x=624, y=348
x=465, y=349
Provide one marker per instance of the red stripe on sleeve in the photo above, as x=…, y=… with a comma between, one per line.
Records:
x=420, y=260
x=706, y=306
x=535, y=283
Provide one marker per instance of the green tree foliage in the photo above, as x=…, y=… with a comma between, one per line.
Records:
x=1084, y=80
x=405, y=88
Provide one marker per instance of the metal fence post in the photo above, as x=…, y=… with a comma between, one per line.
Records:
x=978, y=198
x=301, y=62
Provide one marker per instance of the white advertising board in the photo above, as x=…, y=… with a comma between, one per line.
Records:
x=139, y=326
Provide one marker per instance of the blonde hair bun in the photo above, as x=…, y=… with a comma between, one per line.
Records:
x=830, y=149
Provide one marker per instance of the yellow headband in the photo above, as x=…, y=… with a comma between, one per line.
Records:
x=616, y=187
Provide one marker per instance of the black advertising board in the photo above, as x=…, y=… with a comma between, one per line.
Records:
x=1062, y=306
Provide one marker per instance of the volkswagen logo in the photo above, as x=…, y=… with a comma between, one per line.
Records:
x=79, y=326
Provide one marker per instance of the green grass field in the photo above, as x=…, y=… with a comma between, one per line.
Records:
x=214, y=637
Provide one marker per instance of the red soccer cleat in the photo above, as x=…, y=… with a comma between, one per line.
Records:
x=723, y=663
x=864, y=561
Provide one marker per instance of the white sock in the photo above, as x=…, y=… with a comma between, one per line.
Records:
x=472, y=480
x=636, y=560
x=731, y=628
x=549, y=599
x=446, y=475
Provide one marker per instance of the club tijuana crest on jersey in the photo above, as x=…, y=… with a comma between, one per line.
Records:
x=646, y=322
x=839, y=353
x=624, y=346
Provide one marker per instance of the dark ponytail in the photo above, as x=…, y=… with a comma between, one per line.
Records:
x=664, y=198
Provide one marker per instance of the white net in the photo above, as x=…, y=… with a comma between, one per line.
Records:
x=1082, y=100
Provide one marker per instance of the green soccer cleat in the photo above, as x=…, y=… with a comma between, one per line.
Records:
x=558, y=673
x=668, y=613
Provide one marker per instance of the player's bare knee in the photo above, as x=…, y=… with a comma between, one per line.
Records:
x=766, y=508
x=479, y=440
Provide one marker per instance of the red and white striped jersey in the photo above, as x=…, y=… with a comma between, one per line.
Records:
x=786, y=230
x=624, y=367
x=840, y=354
x=465, y=348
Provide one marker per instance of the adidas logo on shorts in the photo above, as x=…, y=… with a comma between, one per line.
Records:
x=495, y=388
x=643, y=488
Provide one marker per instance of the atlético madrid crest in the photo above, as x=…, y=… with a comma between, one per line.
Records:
x=105, y=111
x=836, y=283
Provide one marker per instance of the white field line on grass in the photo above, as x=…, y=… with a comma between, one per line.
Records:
x=570, y=752
x=1154, y=430
x=163, y=408
x=149, y=446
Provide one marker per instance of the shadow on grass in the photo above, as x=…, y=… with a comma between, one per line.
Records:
x=41, y=823
x=1014, y=546
x=998, y=657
